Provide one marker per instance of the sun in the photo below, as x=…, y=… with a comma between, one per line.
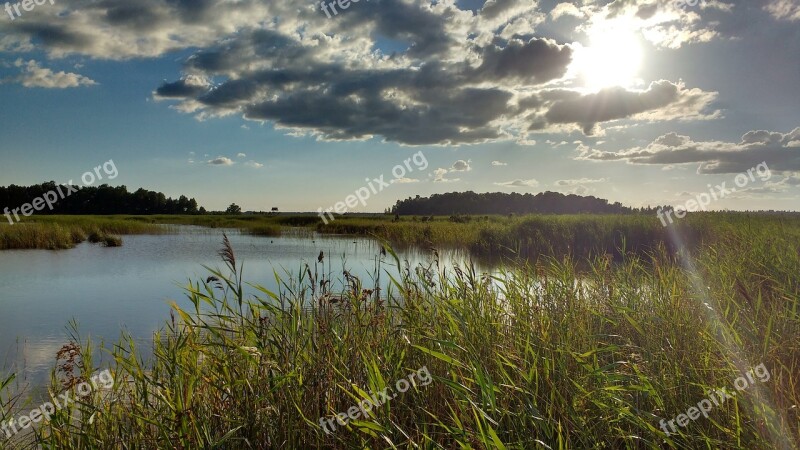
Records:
x=612, y=58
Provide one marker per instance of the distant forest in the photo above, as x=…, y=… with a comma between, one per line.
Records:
x=103, y=199
x=507, y=203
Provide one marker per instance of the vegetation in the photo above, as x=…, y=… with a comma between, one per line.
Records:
x=233, y=209
x=59, y=233
x=99, y=237
x=518, y=237
x=103, y=199
x=580, y=236
x=537, y=356
x=506, y=203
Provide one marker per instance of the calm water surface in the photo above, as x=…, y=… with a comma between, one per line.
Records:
x=107, y=290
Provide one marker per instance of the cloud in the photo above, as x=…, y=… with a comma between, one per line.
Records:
x=499, y=163
x=241, y=155
x=405, y=180
x=191, y=85
x=35, y=76
x=712, y=157
x=663, y=100
x=519, y=183
x=221, y=161
x=253, y=164
x=461, y=166
x=439, y=176
x=570, y=183
x=332, y=79
x=565, y=9
x=784, y=9
x=666, y=23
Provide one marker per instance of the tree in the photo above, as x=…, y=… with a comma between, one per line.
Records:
x=102, y=199
x=233, y=209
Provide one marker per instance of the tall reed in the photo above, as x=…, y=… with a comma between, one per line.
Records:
x=539, y=355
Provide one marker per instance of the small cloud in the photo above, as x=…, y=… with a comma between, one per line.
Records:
x=221, y=161
x=565, y=9
x=241, y=155
x=784, y=10
x=570, y=183
x=461, y=166
x=498, y=163
x=520, y=183
x=405, y=180
x=35, y=76
x=439, y=176
x=253, y=164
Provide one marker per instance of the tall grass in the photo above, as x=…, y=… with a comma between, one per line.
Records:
x=538, y=356
x=58, y=233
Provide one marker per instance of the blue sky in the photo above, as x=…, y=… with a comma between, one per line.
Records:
x=272, y=104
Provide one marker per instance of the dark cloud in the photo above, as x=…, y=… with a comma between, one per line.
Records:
x=537, y=61
x=781, y=152
x=452, y=76
x=611, y=104
x=180, y=89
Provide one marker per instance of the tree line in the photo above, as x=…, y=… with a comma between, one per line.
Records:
x=103, y=199
x=507, y=203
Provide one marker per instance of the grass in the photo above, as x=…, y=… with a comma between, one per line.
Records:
x=65, y=232
x=580, y=236
x=525, y=237
x=99, y=237
x=543, y=356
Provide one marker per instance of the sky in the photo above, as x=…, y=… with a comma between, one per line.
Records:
x=289, y=104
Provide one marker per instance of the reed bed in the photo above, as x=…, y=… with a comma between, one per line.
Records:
x=537, y=356
x=59, y=233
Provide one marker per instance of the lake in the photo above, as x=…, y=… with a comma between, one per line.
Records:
x=107, y=290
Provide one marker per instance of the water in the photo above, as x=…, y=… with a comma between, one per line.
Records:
x=107, y=290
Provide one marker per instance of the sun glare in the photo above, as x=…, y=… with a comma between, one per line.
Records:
x=613, y=58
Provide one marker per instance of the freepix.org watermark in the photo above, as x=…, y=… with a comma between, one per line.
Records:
x=27, y=5
x=362, y=194
x=681, y=4
x=701, y=201
x=716, y=397
x=375, y=400
x=102, y=380
x=51, y=197
x=343, y=4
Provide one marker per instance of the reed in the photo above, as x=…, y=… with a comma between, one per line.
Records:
x=65, y=232
x=540, y=355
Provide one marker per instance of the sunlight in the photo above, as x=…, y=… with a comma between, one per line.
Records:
x=613, y=57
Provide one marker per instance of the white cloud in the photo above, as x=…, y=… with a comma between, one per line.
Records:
x=241, y=155
x=35, y=76
x=569, y=183
x=565, y=9
x=784, y=9
x=405, y=180
x=253, y=164
x=498, y=163
x=519, y=183
x=221, y=161
x=439, y=176
x=461, y=166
